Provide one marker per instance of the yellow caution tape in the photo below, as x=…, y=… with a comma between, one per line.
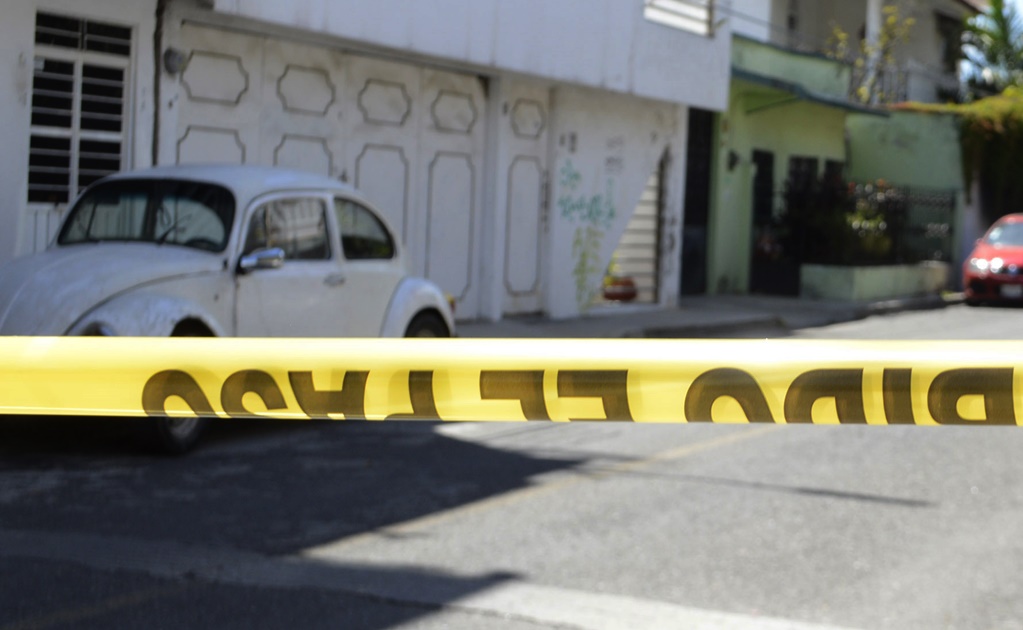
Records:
x=780, y=381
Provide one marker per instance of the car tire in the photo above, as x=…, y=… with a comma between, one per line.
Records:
x=177, y=436
x=427, y=325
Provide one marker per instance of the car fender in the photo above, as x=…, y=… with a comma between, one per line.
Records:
x=142, y=315
x=411, y=297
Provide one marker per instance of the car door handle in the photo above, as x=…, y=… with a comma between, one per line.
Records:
x=335, y=279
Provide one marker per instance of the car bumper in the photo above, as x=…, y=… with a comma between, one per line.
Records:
x=993, y=287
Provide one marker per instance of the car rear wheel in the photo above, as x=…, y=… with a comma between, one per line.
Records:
x=427, y=325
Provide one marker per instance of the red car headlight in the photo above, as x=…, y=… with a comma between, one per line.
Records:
x=980, y=265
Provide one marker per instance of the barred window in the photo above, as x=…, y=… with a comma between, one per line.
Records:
x=79, y=105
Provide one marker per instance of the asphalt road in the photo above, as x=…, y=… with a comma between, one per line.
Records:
x=522, y=526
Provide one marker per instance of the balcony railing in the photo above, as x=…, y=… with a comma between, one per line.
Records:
x=838, y=78
x=889, y=86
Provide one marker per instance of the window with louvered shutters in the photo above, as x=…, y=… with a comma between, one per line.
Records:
x=79, y=105
x=695, y=16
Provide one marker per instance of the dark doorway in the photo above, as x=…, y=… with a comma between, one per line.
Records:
x=697, y=202
x=772, y=270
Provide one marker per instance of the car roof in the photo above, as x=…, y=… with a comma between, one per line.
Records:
x=246, y=181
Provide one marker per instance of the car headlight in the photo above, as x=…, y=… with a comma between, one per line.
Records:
x=979, y=264
x=996, y=265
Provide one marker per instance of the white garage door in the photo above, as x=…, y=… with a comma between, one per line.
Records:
x=411, y=137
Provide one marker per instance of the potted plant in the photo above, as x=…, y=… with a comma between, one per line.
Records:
x=617, y=286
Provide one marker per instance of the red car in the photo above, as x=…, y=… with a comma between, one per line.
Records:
x=994, y=270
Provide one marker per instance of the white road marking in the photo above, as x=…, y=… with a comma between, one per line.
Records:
x=491, y=595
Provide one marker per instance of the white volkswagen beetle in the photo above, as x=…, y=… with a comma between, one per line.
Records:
x=220, y=251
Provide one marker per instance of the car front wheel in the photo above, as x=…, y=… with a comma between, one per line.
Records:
x=176, y=436
x=427, y=325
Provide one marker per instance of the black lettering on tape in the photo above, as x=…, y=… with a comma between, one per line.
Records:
x=994, y=384
x=525, y=386
x=420, y=389
x=726, y=383
x=254, y=382
x=350, y=400
x=611, y=386
x=896, y=384
x=163, y=385
x=845, y=386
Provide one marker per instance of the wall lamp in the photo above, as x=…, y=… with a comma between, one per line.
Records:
x=174, y=61
x=733, y=160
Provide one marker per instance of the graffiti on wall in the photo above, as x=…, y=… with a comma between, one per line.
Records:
x=592, y=216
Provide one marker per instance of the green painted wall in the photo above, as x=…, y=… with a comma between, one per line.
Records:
x=814, y=72
x=904, y=148
x=907, y=148
x=921, y=150
x=769, y=120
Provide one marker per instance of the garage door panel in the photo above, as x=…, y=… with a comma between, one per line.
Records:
x=221, y=96
x=217, y=78
x=523, y=229
x=305, y=153
x=302, y=105
x=525, y=133
x=451, y=237
x=451, y=144
x=211, y=144
x=384, y=103
x=385, y=98
x=455, y=101
x=382, y=127
x=305, y=91
x=382, y=172
x=410, y=137
x=453, y=112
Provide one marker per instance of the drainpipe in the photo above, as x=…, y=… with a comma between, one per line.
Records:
x=161, y=10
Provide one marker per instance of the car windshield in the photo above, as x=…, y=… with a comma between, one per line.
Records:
x=175, y=212
x=1007, y=234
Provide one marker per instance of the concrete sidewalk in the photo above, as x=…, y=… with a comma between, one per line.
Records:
x=700, y=316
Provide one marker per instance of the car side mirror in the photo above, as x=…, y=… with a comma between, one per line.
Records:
x=269, y=258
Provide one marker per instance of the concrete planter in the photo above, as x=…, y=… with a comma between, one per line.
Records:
x=864, y=284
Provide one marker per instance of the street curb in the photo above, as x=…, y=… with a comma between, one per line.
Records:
x=855, y=312
x=755, y=317
x=924, y=303
x=706, y=330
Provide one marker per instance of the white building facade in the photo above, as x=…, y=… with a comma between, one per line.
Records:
x=515, y=148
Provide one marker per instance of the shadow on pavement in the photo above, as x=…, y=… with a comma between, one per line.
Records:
x=269, y=489
x=304, y=594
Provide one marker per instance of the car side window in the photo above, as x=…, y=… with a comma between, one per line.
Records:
x=363, y=234
x=296, y=225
